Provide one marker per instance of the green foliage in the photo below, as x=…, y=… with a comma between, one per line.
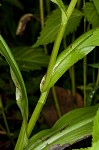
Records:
x=95, y=133
x=96, y=3
x=52, y=25
x=77, y=50
x=77, y=123
x=21, y=95
x=91, y=14
x=29, y=58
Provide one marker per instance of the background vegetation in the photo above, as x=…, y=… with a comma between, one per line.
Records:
x=30, y=29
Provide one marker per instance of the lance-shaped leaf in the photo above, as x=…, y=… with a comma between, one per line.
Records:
x=21, y=95
x=71, y=127
x=76, y=51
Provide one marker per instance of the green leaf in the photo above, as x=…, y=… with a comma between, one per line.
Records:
x=76, y=51
x=52, y=25
x=96, y=65
x=91, y=14
x=68, y=129
x=16, y=3
x=96, y=3
x=95, y=133
x=63, y=10
x=21, y=95
x=29, y=58
x=90, y=99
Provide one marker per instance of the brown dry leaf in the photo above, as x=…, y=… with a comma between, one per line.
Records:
x=23, y=22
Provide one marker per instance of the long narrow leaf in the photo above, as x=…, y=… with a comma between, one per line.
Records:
x=76, y=51
x=68, y=129
x=21, y=95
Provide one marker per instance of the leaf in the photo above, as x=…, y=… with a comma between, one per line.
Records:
x=76, y=51
x=21, y=95
x=91, y=14
x=16, y=3
x=63, y=11
x=95, y=133
x=52, y=25
x=29, y=58
x=23, y=22
x=96, y=3
x=68, y=129
x=90, y=101
x=95, y=65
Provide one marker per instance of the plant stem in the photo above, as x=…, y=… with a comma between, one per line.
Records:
x=48, y=6
x=45, y=92
x=42, y=19
x=57, y=45
x=56, y=101
x=85, y=78
x=97, y=81
x=5, y=122
x=36, y=112
x=41, y=13
x=84, y=65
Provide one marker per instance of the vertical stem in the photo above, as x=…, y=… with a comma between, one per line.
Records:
x=72, y=72
x=56, y=101
x=97, y=81
x=85, y=78
x=41, y=13
x=5, y=122
x=48, y=6
x=44, y=90
x=42, y=18
x=93, y=69
x=36, y=112
x=84, y=65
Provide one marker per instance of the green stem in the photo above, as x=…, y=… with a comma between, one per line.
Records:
x=53, y=56
x=97, y=81
x=5, y=122
x=84, y=65
x=57, y=45
x=41, y=13
x=48, y=6
x=72, y=72
x=44, y=94
x=36, y=112
x=56, y=101
x=42, y=19
x=85, y=78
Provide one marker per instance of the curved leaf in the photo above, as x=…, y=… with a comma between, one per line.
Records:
x=21, y=94
x=68, y=129
x=76, y=51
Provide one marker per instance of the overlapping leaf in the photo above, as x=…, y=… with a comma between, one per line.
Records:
x=76, y=51
x=91, y=14
x=30, y=59
x=68, y=129
x=52, y=24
